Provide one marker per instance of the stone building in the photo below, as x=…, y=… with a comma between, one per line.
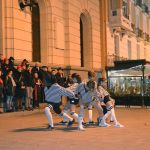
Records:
x=127, y=30
x=75, y=34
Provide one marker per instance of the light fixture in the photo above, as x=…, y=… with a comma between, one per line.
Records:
x=27, y=3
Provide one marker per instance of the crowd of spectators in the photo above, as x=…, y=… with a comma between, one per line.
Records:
x=22, y=86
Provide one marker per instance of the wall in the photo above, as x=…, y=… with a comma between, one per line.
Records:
x=60, y=32
x=17, y=25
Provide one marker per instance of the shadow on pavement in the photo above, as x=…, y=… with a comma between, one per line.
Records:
x=44, y=128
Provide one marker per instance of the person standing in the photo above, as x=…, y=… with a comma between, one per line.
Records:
x=60, y=77
x=37, y=91
x=20, y=91
x=29, y=83
x=1, y=90
x=10, y=89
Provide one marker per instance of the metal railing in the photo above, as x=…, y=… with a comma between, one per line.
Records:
x=112, y=58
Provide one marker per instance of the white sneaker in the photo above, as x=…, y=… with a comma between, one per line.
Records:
x=81, y=129
x=102, y=123
x=118, y=125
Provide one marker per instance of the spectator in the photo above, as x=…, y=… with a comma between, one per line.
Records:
x=37, y=69
x=20, y=91
x=69, y=82
x=23, y=94
x=10, y=86
x=37, y=91
x=53, y=74
x=24, y=62
x=11, y=63
x=29, y=83
x=60, y=77
x=1, y=90
x=46, y=80
x=1, y=59
x=5, y=67
x=46, y=75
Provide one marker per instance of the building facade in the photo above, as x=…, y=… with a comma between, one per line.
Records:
x=78, y=34
x=128, y=30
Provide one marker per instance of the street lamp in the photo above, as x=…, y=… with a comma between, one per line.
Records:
x=27, y=3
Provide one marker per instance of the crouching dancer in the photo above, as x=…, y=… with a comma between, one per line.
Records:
x=53, y=98
x=71, y=103
x=87, y=101
x=101, y=94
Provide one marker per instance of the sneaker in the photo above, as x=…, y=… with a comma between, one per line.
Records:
x=118, y=125
x=62, y=122
x=81, y=129
x=50, y=127
x=70, y=123
x=91, y=123
x=102, y=123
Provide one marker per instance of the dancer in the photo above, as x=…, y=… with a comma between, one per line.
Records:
x=98, y=92
x=53, y=98
x=71, y=103
x=87, y=101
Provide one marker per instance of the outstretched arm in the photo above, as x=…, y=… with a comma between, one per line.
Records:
x=66, y=92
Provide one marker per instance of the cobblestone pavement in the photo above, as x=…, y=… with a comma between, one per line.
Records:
x=27, y=131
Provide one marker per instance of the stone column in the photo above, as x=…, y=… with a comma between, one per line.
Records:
x=103, y=34
x=119, y=4
x=2, y=27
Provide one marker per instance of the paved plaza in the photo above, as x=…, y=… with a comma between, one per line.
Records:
x=27, y=131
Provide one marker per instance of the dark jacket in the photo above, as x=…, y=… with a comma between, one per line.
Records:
x=20, y=89
x=28, y=78
x=1, y=87
x=9, y=87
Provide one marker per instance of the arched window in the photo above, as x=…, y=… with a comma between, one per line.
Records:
x=81, y=43
x=86, y=52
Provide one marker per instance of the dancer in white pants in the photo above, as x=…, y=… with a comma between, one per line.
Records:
x=88, y=101
x=53, y=98
x=100, y=93
x=71, y=103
